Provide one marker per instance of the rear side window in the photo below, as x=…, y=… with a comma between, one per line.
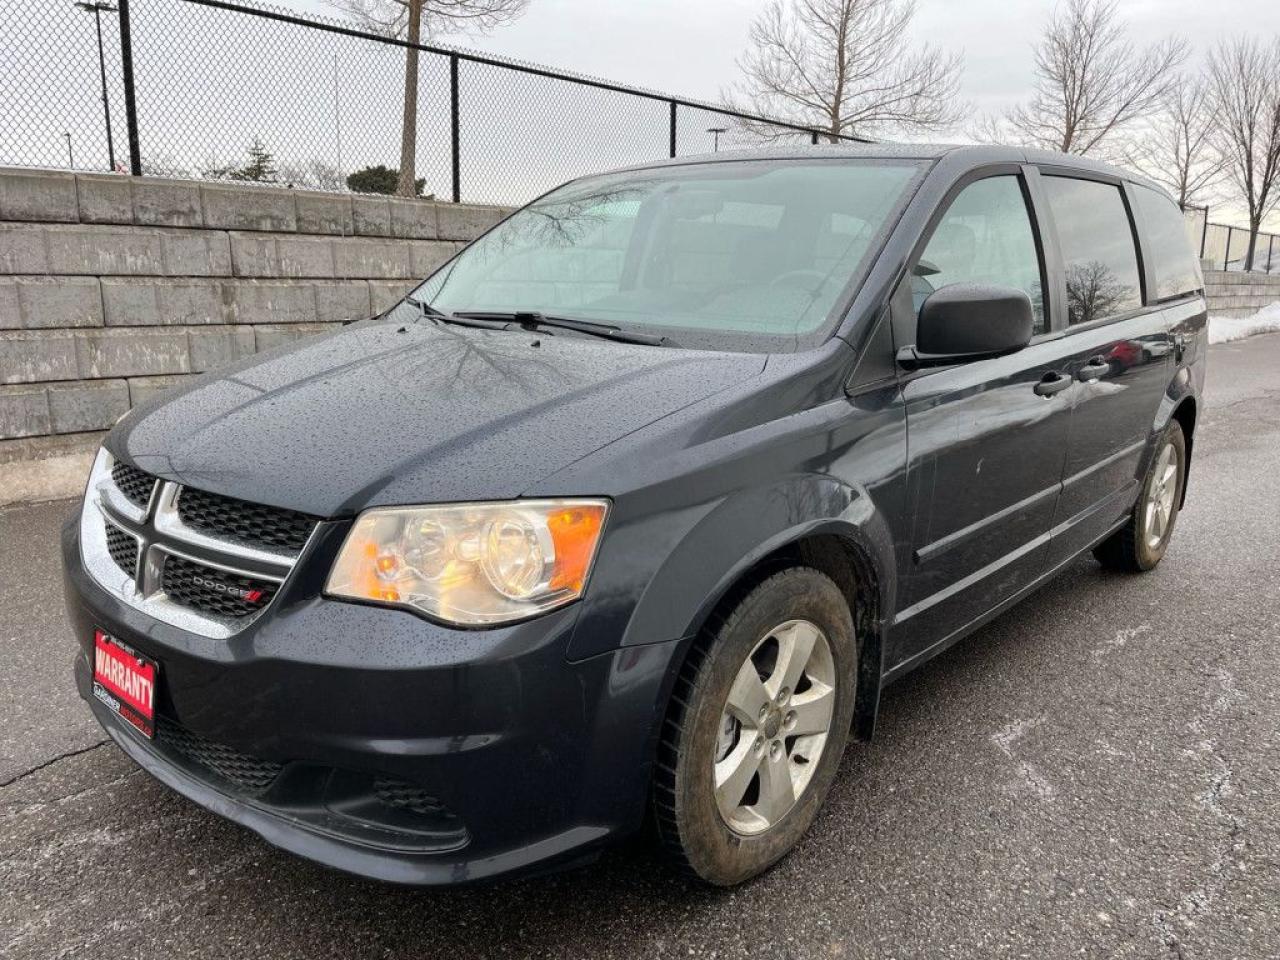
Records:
x=984, y=237
x=1097, y=248
x=1176, y=268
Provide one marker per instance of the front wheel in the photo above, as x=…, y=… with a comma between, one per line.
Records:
x=759, y=719
x=1140, y=543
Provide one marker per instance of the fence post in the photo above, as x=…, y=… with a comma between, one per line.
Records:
x=130, y=101
x=1226, y=254
x=1204, y=232
x=454, y=144
x=814, y=135
x=1271, y=248
x=672, y=148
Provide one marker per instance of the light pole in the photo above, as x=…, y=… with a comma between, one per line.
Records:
x=97, y=7
x=716, y=131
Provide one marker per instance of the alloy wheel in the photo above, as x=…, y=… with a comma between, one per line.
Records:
x=1158, y=512
x=774, y=726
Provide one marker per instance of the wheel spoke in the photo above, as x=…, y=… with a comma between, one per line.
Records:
x=747, y=696
x=1166, y=478
x=795, y=646
x=813, y=710
x=1151, y=519
x=733, y=774
x=777, y=793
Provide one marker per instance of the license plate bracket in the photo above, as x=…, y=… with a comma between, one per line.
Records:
x=124, y=681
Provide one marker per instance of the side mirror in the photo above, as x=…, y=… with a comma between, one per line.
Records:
x=969, y=321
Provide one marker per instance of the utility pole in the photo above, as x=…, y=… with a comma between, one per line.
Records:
x=97, y=7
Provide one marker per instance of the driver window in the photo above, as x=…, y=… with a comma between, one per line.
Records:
x=985, y=237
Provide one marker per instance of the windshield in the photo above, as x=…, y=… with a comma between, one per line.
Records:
x=733, y=255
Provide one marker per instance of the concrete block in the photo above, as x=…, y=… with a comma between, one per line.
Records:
x=56, y=302
x=465, y=221
x=272, y=335
x=338, y=300
x=131, y=352
x=217, y=347
x=413, y=219
x=27, y=357
x=384, y=294
x=143, y=389
x=253, y=255
x=103, y=251
x=427, y=255
x=40, y=448
x=22, y=249
x=325, y=213
x=167, y=203
x=104, y=198
x=372, y=216
x=24, y=411
x=43, y=195
x=305, y=256
x=195, y=253
x=10, y=315
x=156, y=301
x=235, y=207
x=371, y=259
x=269, y=301
x=87, y=405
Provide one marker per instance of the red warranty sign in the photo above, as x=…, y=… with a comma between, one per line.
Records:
x=125, y=681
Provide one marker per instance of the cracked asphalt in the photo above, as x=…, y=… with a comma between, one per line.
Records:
x=1093, y=774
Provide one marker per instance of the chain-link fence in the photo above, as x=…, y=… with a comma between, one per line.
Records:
x=215, y=89
x=1224, y=247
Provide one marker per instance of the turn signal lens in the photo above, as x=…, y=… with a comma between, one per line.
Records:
x=471, y=564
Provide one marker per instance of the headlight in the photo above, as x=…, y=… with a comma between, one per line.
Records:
x=474, y=563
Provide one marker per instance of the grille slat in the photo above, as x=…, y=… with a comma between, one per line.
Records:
x=251, y=523
x=248, y=773
x=133, y=483
x=214, y=591
x=123, y=548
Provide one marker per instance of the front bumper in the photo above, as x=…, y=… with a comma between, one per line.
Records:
x=525, y=759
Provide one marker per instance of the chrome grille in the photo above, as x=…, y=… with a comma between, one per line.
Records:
x=215, y=591
x=204, y=577
x=250, y=774
x=251, y=523
x=123, y=547
x=133, y=483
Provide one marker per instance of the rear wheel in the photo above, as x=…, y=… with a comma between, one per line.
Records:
x=1140, y=544
x=759, y=720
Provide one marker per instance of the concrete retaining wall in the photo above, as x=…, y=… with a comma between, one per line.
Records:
x=1240, y=294
x=113, y=288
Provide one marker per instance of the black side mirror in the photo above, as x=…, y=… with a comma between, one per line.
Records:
x=969, y=321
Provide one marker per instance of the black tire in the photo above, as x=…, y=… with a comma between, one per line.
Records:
x=689, y=822
x=1130, y=549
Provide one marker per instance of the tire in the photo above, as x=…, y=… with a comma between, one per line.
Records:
x=1139, y=545
x=745, y=654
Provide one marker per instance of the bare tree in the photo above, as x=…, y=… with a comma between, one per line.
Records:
x=1177, y=149
x=409, y=20
x=845, y=67
x=1091, y=81
x=1244, y=78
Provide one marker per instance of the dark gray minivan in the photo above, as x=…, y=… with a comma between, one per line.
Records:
x=635, y=505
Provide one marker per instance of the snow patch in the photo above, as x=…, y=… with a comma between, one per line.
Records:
x=1226, y=329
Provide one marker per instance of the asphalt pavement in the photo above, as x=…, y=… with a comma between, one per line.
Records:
x=1096, y=773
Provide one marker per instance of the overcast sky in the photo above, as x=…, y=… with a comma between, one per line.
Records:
x=690, y=46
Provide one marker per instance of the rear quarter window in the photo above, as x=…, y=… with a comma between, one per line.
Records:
x=1177, y=272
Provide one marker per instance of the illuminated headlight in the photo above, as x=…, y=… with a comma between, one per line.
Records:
x=469, y=564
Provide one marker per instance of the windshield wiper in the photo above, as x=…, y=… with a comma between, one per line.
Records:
x=435, y=313
x=532, y=320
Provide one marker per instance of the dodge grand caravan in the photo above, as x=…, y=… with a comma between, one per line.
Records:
x=634, y=506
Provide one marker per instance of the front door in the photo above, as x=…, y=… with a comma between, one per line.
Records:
x=986, y=440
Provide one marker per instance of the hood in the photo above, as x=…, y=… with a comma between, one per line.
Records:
x=390, y=413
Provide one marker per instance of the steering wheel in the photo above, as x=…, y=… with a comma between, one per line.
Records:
x=797, y=278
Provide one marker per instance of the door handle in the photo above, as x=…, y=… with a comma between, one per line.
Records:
x=1051, y=383
x=1093, y=370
